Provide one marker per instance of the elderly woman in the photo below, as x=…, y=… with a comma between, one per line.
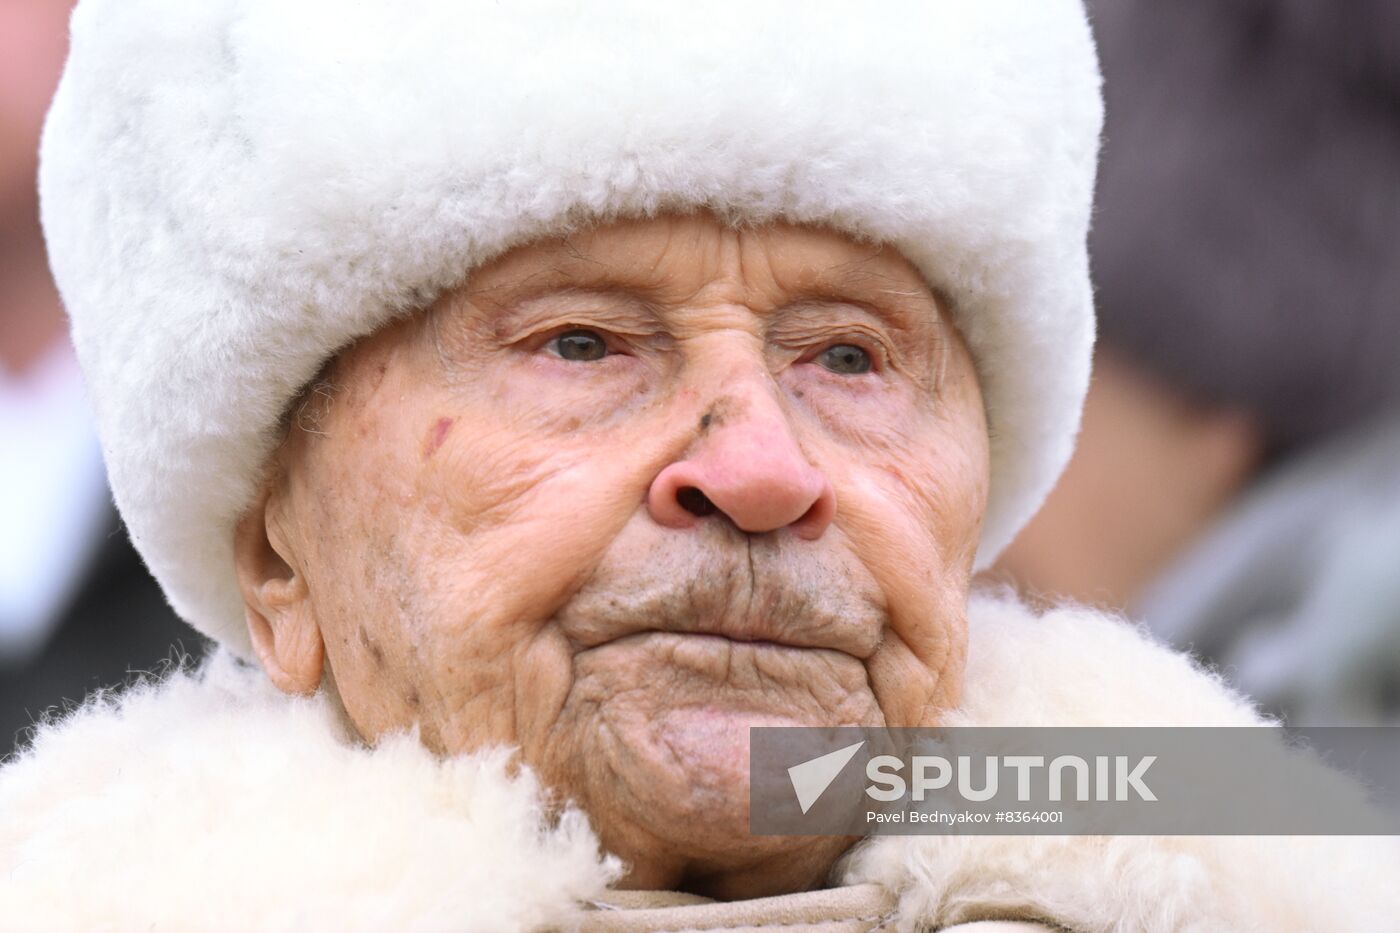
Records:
x=530, y=399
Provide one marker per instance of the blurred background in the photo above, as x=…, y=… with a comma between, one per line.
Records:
x=77, y=609
x=1237, y=482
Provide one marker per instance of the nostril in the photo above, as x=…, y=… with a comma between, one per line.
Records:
x=695, y=502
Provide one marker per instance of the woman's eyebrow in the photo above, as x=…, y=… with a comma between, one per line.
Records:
x=895, y=302
x=522, y=308
x=599, y=280
x=858, y=278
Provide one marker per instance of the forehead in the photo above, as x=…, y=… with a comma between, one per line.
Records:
x=672, y=259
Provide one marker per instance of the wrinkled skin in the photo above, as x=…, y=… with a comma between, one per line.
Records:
x=495, y=535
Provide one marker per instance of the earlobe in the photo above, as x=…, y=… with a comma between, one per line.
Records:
x=277, y=602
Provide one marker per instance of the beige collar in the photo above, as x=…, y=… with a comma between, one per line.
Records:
x=856, y=908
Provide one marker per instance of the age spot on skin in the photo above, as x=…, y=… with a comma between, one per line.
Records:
x=375, y=652
x=380, y=371
x=718, y=412
x=436, y=435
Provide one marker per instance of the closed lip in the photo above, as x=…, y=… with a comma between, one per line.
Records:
x=855, y=639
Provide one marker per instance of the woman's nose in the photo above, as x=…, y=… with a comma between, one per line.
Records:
x=747, y=466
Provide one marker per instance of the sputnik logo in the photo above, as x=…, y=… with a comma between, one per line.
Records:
x=811, y=778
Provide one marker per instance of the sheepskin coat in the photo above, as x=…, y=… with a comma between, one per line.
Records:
x=210, y=801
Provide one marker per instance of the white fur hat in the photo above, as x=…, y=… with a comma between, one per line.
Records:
x=233, y=190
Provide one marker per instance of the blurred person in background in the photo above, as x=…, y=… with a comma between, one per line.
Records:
x=77, y=608
x=1237, y=482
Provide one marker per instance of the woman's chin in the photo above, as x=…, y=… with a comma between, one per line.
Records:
x=687, y=782
x=686, y=822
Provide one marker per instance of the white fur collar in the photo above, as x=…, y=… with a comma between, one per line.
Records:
x=214, y=802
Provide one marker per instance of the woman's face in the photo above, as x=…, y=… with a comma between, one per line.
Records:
x=621, y=497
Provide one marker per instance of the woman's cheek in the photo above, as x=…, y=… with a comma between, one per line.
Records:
x=871, y=411
x=563, y=397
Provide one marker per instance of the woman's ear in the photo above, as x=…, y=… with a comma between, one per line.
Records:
x=281, y=617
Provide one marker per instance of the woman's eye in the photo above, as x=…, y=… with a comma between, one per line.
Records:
x=845, y=359
x=580, y=345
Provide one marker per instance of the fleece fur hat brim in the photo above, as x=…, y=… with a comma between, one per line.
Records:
x=233, y=190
